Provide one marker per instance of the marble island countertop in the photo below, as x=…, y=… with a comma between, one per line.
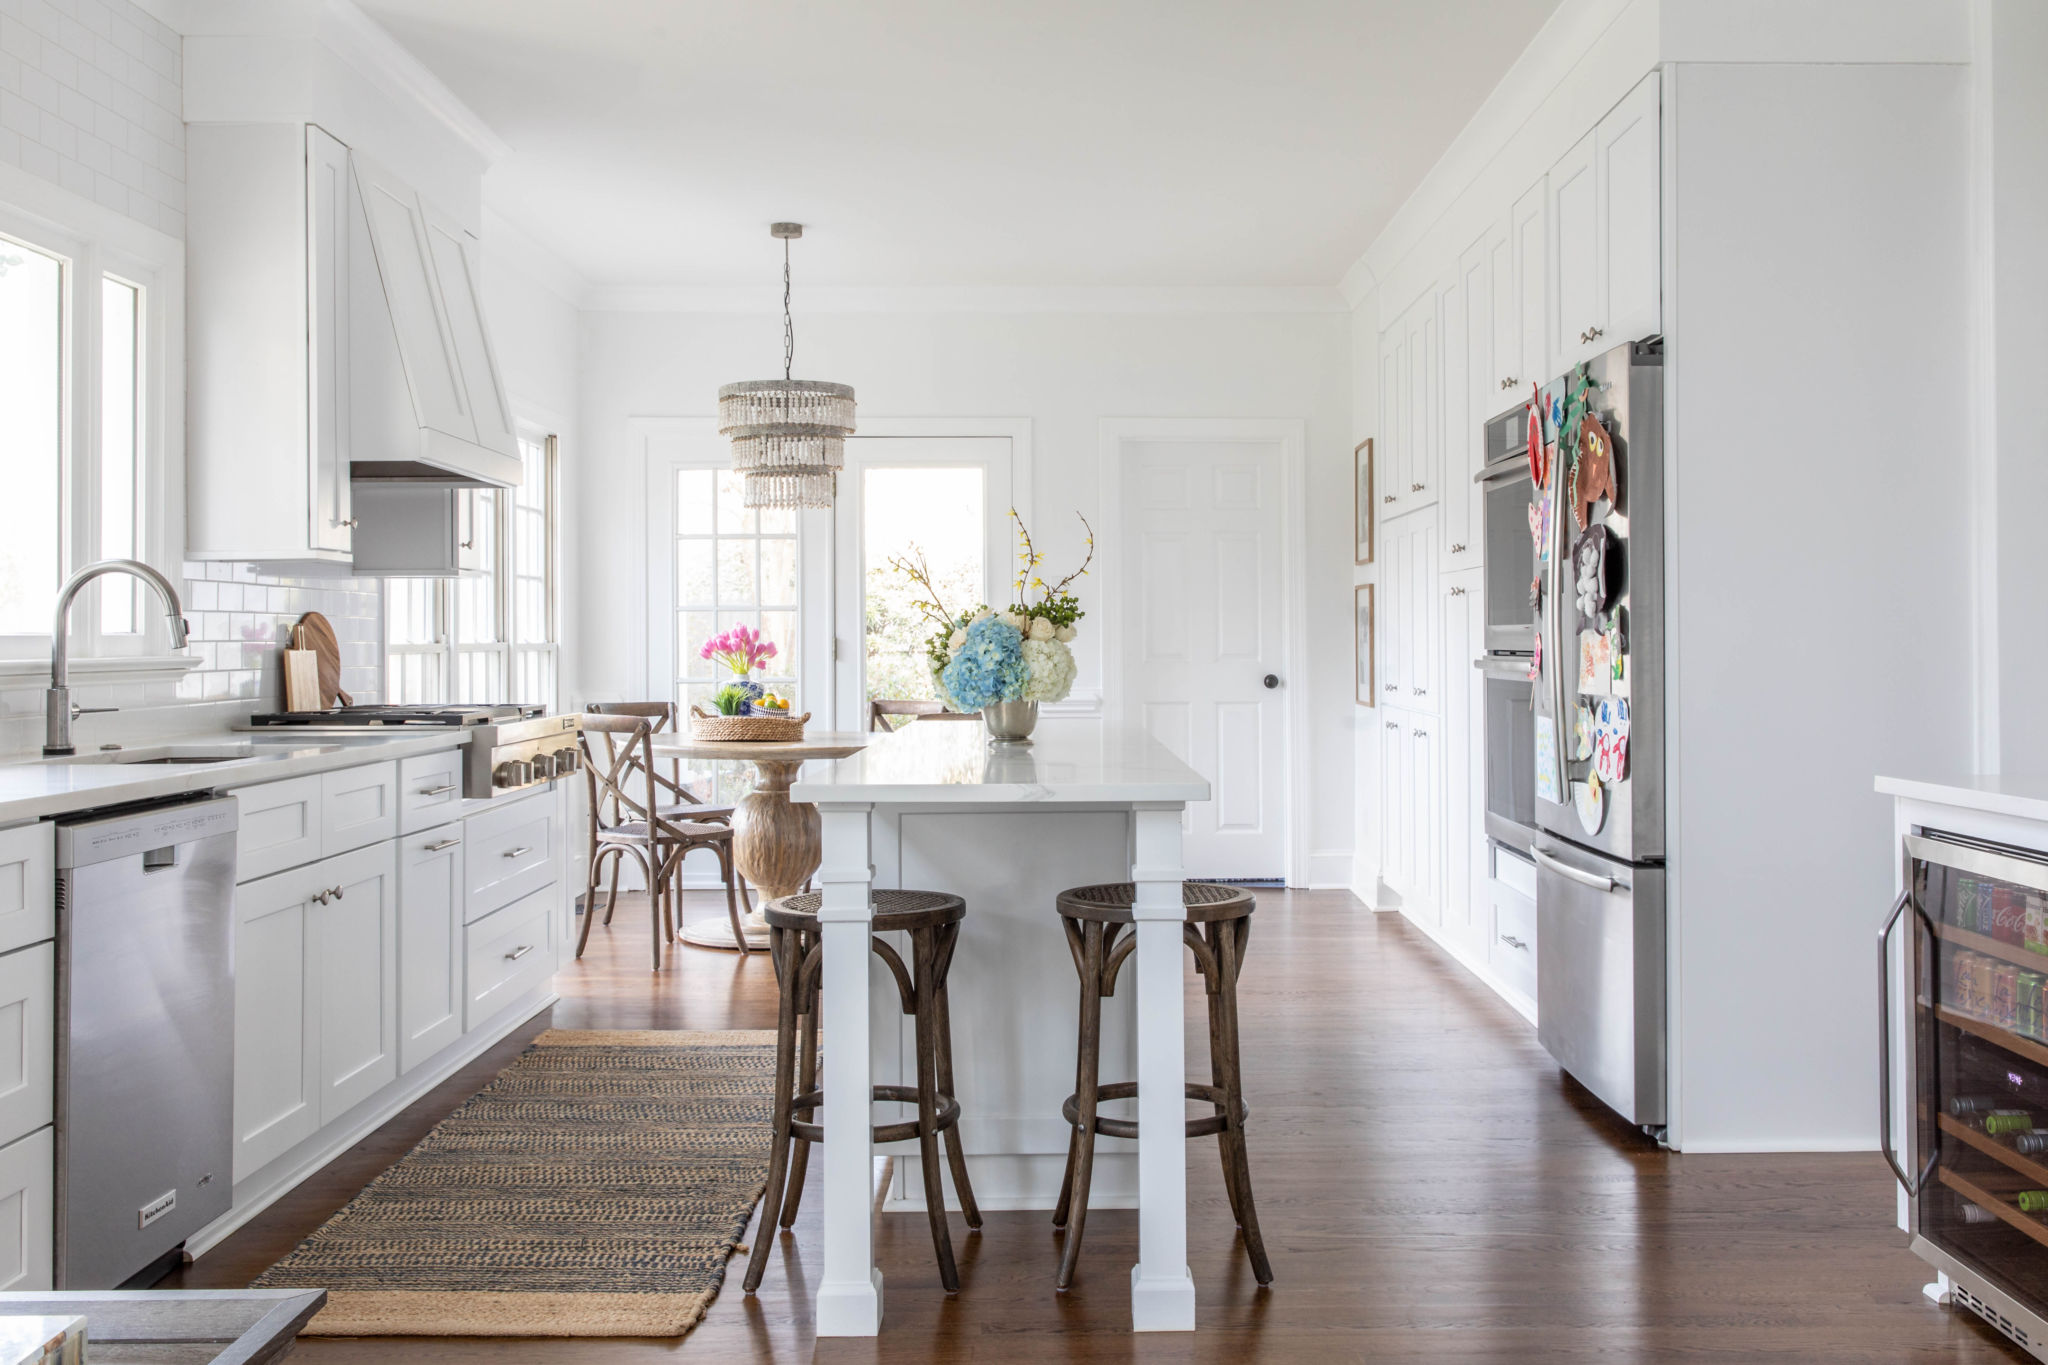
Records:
x=955, y=763
x=33, y=788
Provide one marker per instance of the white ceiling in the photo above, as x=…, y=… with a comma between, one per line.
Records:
x=956, y=143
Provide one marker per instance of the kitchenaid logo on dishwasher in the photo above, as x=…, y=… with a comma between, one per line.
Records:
x=156, y=1208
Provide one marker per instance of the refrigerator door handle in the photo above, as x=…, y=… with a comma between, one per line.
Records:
x=1911, y=1184
x=1570, y=873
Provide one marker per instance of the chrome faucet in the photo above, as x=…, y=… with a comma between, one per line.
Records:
x=58, y=712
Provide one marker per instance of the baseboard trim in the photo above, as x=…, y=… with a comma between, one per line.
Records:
x=411, y=1088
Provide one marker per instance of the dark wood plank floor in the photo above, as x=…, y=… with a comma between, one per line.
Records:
x=1431, y=1188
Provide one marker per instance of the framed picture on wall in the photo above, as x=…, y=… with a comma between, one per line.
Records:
x=1361, y=498
x=1368, y=682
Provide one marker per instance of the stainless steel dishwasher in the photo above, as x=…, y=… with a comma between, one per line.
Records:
x=145, y=1037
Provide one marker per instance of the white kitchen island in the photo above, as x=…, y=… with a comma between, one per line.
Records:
x=936, y=807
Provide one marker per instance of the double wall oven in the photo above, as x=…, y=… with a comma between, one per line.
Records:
x=1510, y=634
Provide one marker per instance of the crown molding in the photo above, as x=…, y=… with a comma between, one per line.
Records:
x=508, y=244
x=762, y=298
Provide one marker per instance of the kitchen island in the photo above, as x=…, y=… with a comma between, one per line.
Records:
x=937, y=807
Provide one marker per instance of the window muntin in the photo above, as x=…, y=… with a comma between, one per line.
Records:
x=734, y=566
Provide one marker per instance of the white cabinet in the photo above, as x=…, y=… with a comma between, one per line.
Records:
x=28, y=879
x=457, y=270
x=1469, y=399
x=1463, y=633
x=1397, y=813
x=1529, y=243
x=511, y=851
x=419, y=320
x=429, y=943
x=505, y=953
x=327, y=342
x=1409, y=847
x=473, y=530
x=1511, y=951
x=358, y=806
x=316, y=1017
x=277, y=826
x=1607, y=244
x=28, y=1212
x=429, y=789
x=28, y=1043
x=1411, y=422
x=1407, y=605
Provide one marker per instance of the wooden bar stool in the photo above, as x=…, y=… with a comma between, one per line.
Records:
x=932, y=919
x=1098, y=922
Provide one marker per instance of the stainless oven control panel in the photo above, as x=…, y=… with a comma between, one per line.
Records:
x=522, y=754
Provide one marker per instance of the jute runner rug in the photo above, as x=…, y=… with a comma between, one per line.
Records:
x=596, y=1188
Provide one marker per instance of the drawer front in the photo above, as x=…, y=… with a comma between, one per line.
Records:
x=358, y=806
x=28, y=883
x=508, y=854
x=280, y=827
x=505, y=954
x=1513, y=951
x=429, y=788
x=28, y=1040
x=28, y=1212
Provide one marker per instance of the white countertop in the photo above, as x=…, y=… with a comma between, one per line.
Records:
x=2024, y=797
x=31, y=789
x=955, y=763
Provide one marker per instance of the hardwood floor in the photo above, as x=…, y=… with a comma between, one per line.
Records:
x=1430, y=1185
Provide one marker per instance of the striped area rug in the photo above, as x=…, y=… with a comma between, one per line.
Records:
x=594, y=1189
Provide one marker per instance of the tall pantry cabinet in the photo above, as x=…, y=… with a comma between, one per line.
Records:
x=1568, y=267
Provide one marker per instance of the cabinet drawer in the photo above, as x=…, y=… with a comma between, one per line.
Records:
x=28, y=1043
x=28, y=1212
x=28, y=881
x=429, y=788
x=279, y=827
x=505, y=954
x=1512, y=953
x=358, y=806
x=509, y=853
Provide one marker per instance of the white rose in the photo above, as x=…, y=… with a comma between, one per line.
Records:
x=1041, y=629
x=1020, y=624
x=986, y=612
x=959, y=638
x=1066, y=635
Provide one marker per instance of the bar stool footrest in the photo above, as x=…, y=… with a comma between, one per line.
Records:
x=1206, y=1126
x=948, y=1114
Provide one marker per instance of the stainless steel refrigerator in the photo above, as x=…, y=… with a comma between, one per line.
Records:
x=1599, y=731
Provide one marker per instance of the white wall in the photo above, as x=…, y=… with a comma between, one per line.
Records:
x=1066, y=372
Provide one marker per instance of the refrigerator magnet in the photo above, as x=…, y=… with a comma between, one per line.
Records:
x=1610, y=740
x=1547, y=787
x=1592, y=571
x=1582, y=734
x=1594, y=469
x=1593, y=664
x=1589, y=799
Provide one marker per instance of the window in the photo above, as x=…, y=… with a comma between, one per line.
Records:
x=734, y=566
x=488, y=635
x=917, y=513
x=32, y=431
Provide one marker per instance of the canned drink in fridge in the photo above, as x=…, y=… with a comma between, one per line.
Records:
x=2005, y=992
x=2008, y=916
x=2036, y=938
x=1966, y=903
x=2029, y=1006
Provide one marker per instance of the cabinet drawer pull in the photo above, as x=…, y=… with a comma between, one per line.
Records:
x=1420, y=734
x=1458, y=549
x=320, y=898
x=444, y=788
x=336, y=893
x=1392, y=726
x=1512, y=941
x=1414, y=488
x=1458, y=592
x=1420, y=691
x=1390, y=687
x=519, y=852
x=445, y=843
x=521, y=951
x=1387, y=498
x=347, y=524
x=1508, y=383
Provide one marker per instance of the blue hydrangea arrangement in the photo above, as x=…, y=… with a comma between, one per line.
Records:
x=988, y=667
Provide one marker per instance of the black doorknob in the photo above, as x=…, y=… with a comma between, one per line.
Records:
x=1271, y=680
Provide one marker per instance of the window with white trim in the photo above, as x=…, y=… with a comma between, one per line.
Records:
x=79, y=351
x=490, y=634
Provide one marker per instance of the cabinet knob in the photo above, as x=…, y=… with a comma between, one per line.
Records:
x=1590, y=334
x=1457, y=592
x=1508, y=383
x=1390, y=687
x=1420, y=734
x=1392, y=726
x=1414, y=488
x=1458, y=550
x=1388, y=498
x=1420, y=691
x=336, y=893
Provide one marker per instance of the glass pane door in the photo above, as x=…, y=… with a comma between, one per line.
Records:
x=1982, y=1059
x=931, y=516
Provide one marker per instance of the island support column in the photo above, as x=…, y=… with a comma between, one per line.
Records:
x=1162, y=1290
x=850, y=1293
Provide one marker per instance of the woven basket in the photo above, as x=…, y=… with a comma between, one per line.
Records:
x=782, y=729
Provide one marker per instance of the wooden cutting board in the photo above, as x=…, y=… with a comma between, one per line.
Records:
x=316, y=633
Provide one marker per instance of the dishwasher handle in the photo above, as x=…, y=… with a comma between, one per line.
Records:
x=1570, y=873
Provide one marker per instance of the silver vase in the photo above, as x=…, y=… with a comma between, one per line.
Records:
x=1010, y=722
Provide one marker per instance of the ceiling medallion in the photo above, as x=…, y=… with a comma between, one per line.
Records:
x=788, y=435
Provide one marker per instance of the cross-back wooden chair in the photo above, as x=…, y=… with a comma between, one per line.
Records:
x=679, y=801
x=630, y=819
x=880, y=707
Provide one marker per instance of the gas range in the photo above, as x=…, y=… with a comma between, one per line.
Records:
x=510, y=747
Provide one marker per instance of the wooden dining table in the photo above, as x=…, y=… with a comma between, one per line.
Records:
x=776, y=843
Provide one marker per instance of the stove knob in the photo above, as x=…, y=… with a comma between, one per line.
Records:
x=541, y=767
x=511, y=773
x=566, y=762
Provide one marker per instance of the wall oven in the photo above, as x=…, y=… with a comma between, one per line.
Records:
x=1974, y=1122
x=1510, y=734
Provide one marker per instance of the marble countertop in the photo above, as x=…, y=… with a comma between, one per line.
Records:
x=33, y=788
x=957, y=764
x=2021, y=796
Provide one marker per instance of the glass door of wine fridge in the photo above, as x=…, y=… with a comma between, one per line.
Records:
x=1975, y=919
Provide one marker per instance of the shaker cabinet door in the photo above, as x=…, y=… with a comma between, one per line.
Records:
x=1578, y=309
x=355, y=947
x=1530, y=229
x=426, y=343
x=277, y=1045
x=1631, y=214
x=328, y=190
x=429, y=944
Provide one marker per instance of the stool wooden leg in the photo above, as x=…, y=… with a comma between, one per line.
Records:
x=781, y=944
x=1229, y=944
x=807, y=1080
x=956, y=1155
x=1082, y=1163
x=923, y=969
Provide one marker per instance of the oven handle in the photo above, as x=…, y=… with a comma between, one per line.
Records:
x=1911, y=1184
x=1506, y=667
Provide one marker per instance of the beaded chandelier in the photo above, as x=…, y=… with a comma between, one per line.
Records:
x=788, y=435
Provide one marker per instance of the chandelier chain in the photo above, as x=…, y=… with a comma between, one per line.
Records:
x=788, y=327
